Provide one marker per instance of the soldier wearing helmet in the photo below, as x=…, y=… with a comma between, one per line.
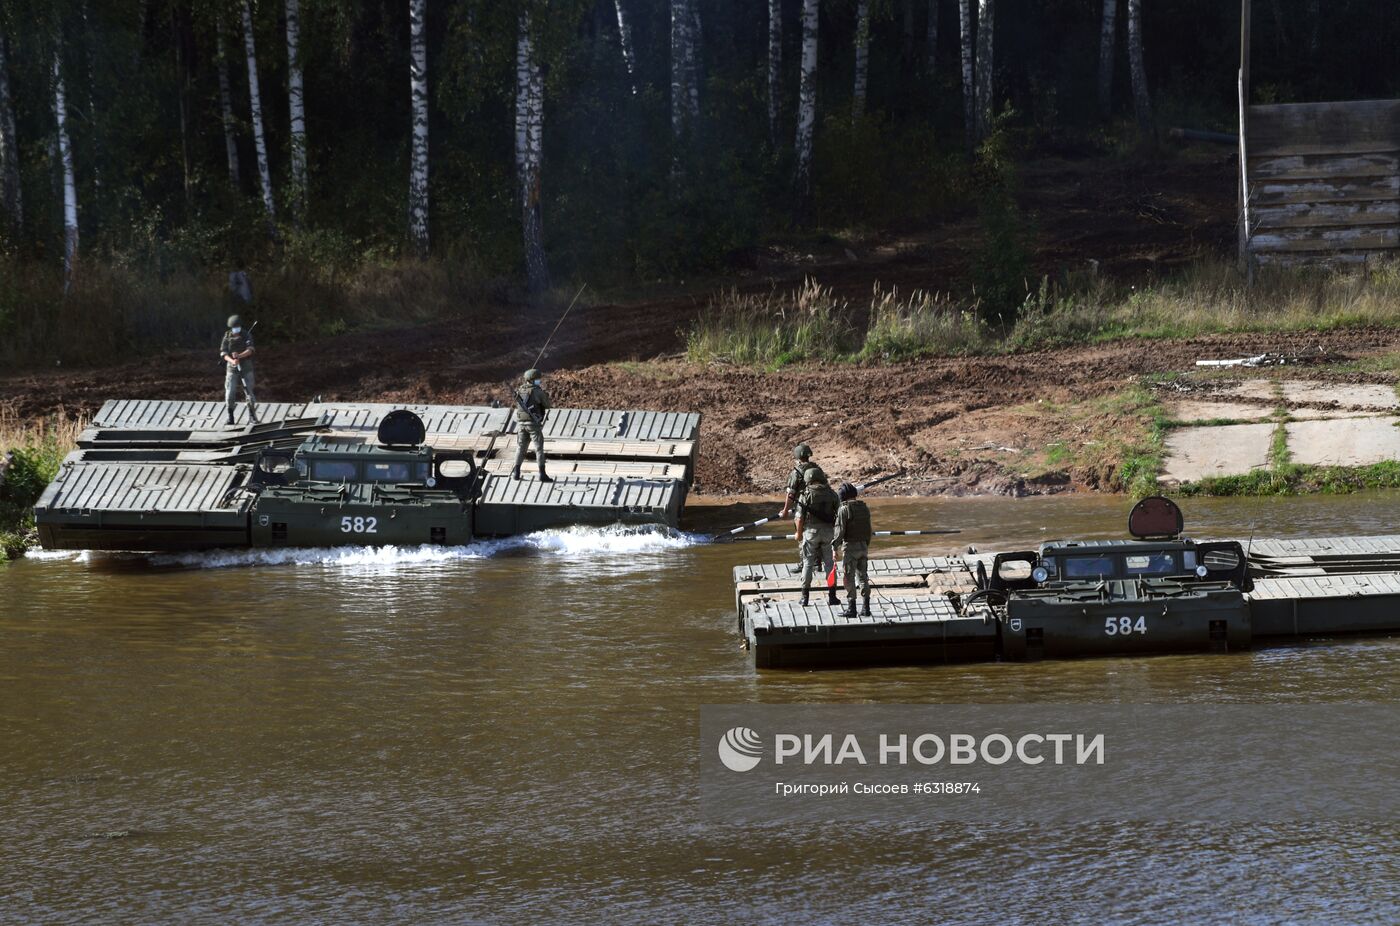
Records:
x=237, y=350
x=853, y=535
x=817, y=508
x=531, y=409
x=796, y=479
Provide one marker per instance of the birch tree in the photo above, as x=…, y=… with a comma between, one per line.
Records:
x=418, y=90
x=529, y=146
x=986, y=19
x=255, y=107
x=226, y=110
x=775, y=69
x=70, y=184
x=624, y=36
x=969, y=89
x=1142, y=104
x=1107, y=40
x=807, y=101
x=931, y=40
x=11, y=198
x=862, y=60
x=296, y=108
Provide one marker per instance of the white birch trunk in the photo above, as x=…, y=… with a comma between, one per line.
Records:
x=986, y=32
x=1108, y=36
x=931, y=40
x=418, y=90
x=1142, y=104
x=624, y=35
x=70, y=185
x=529, y=144
x=862, y=60
x=11, y=199
x=226, y=111
x=969, y=89
x=255, y=106
x=296, y=107
x=775, y=69
x=807, y=99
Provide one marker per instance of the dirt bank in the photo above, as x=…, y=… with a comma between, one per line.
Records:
x=1031, y=423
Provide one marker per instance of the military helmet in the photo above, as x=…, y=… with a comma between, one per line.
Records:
x=802, y=452
x=846, y=492
x=814, y=476
x=235, y=321
x=531, y=375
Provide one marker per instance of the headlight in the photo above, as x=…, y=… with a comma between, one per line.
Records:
x=430, y=481
x=1202, y=571
x=1040, y=573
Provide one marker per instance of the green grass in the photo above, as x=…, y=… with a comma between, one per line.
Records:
x=1298, y=479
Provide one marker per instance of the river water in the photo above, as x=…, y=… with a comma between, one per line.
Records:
x=507, y=733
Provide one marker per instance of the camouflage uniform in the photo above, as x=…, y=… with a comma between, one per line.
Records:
x=853, y=534
x=817, y=534
x=529, y=423
x=797, y=482
x=242, y=372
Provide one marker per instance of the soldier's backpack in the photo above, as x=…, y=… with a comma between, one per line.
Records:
x=821, y=503
x=858, y=527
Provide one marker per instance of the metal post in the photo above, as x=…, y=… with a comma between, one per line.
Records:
x=1246, y=260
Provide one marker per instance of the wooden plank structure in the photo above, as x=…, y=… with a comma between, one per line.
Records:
x=1319, y=182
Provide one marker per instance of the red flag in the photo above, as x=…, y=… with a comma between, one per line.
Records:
x=831, y=577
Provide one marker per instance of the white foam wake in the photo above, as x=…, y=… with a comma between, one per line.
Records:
x=583, y=542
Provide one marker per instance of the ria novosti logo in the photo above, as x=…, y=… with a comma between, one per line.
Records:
x=740, y=749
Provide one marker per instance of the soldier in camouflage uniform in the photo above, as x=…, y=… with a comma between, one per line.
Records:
x=797, y=482
x=237, y=350
x=817, y=507
x=853, y=534
x=531, y=409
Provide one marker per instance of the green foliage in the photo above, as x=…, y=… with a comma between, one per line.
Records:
x=30, y=469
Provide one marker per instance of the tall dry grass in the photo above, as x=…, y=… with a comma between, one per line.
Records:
x=1210, y=297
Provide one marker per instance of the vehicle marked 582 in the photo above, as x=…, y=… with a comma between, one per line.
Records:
x=350, y=525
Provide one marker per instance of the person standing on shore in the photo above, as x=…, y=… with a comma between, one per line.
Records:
x=853, y=535
x=237, y=350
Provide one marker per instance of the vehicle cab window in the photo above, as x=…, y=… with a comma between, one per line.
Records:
x=1161, y=563
x=388, y=472
x=334, y=471
x=1089, y=567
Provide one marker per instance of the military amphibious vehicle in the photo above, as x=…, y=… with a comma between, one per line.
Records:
x=1160, y=592
x=168, y=476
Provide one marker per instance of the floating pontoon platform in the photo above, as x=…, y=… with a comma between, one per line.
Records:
x=924, y=610
x=172, y=475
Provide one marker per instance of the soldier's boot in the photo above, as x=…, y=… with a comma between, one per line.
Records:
x=864, y=605
x=544, y=477
x=805, y=594
x=831, y=598
x=252, y=413
x=515, y=474
x=851, y=607
x=231, y=422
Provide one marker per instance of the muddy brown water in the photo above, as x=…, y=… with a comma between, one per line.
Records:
x=506, y=733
